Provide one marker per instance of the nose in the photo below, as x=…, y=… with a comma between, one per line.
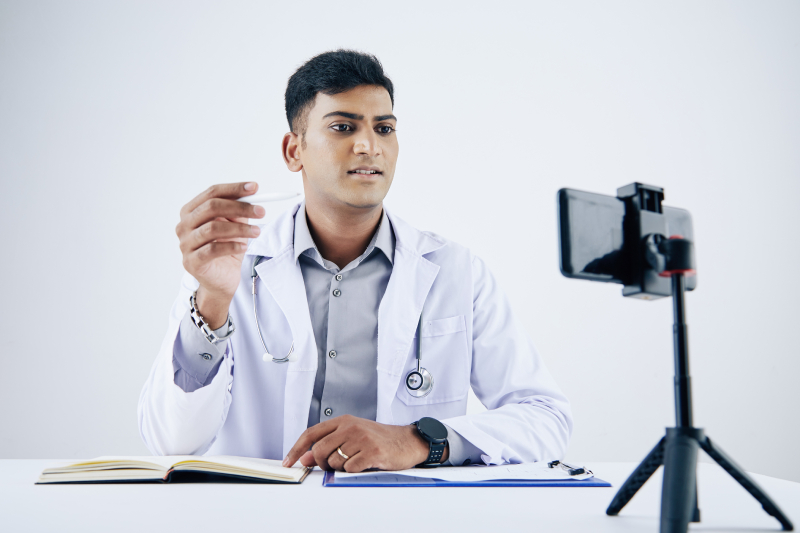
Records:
x=367, y=143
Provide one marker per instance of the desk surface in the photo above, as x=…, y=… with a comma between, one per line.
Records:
x=724, y=505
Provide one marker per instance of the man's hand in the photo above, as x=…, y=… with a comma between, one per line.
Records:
x=368, y=445
x=213, y=234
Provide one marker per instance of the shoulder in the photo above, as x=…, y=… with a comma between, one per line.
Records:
x=452, y=258
x=428, y=244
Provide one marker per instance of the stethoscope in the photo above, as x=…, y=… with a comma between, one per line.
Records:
x=267, y=356
x=419, y=382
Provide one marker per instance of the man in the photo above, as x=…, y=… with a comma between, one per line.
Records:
x=348, y=296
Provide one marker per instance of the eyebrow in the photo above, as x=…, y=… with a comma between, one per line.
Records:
x=353, y=116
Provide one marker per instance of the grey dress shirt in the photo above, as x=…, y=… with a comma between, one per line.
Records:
x=343, y=305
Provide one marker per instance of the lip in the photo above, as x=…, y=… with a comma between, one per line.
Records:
x=378, y=171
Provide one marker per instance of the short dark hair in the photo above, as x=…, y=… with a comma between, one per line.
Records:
x=330, y=73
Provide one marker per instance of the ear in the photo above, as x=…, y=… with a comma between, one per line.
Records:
x=291, y=152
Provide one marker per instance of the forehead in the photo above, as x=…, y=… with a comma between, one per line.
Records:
x=367, y=100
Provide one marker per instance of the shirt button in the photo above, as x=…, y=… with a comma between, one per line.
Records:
x=206, y=356
x=328, y=411
x=338, y=277
x=332, y=354
x=337, y=292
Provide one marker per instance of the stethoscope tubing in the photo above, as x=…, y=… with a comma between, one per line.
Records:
x=267, y=356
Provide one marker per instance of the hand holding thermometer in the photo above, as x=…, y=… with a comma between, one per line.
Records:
x=214, y=230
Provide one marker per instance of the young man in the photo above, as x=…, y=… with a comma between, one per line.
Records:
x=351, y=301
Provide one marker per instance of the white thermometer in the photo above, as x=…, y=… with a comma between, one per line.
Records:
x=268, y=197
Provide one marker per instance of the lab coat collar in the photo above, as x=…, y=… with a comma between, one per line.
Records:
x=383, y=239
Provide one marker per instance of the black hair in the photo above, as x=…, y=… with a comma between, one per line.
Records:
x=330, y=73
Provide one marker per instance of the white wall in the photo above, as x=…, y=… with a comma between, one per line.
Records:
x=114, y=115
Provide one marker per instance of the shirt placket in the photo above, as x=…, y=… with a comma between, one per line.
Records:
x=336, y=295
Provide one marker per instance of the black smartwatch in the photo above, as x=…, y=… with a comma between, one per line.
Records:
x=435, y=433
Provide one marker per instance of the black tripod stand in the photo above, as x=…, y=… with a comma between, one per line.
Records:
x=677, y=451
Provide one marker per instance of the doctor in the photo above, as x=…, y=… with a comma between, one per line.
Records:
x=351, y=295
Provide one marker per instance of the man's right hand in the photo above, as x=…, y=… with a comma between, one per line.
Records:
x=213, y=234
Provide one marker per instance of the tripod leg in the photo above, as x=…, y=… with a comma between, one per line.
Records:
x=679, y=492
x=745, y=481
x=696, y=513
x=638, y=478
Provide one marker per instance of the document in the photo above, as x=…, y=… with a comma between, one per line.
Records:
x=526, y=474
x=538, y=471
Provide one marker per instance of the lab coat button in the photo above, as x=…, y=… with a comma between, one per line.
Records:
x=337, y=292
x=206, y=356
x=332, y=354
x=328, y=411
x=338, y=277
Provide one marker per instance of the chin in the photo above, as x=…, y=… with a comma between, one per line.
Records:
x=363, y=201
x=362, y=204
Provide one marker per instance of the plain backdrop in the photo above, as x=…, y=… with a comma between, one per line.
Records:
x=115, y=114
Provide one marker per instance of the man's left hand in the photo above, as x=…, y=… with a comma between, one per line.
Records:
x=367, y=444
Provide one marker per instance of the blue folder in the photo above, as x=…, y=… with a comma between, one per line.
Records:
x=407, y=481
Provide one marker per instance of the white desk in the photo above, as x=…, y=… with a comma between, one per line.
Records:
x=724, y=505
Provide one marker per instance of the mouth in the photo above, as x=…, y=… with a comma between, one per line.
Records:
x=365, y=171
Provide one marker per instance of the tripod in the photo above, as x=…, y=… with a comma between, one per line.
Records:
x=677, y=451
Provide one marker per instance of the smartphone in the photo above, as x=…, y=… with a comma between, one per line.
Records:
x=592, y=238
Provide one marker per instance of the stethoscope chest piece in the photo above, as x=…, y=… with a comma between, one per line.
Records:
x=419, y=383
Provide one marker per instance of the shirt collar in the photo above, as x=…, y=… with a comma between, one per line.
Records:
x=383, y=239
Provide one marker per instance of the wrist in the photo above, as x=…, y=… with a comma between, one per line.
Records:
x=213, y=307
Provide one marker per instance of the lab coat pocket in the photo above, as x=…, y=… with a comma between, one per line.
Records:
x=445, y=355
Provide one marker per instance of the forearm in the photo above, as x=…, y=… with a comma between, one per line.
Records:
x=533, y=430
x=172, y=421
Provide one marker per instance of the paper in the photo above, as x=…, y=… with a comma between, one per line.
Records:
x=526, y=471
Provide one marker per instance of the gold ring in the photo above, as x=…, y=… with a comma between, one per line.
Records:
x=345, y=457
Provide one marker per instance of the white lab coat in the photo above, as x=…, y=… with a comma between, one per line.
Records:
x=469, y=337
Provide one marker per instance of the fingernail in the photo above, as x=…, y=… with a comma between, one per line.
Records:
x=286, y=462
x=255, y=230
x=259, y=211
x=249, y=186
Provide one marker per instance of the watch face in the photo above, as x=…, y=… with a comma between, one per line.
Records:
x=432, y=429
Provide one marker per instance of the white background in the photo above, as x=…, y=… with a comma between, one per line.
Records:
x=113, y=115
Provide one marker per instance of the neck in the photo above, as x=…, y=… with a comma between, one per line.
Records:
x=341, y=235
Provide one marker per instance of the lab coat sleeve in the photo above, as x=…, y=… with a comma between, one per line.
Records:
x=171, y=420
x=528, y=417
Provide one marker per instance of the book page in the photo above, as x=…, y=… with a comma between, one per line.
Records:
x=109, y=462
x=241, y=466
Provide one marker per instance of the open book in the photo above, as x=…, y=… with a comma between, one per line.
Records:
x=174, y=468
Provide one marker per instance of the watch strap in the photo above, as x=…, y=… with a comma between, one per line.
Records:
x=435, y=453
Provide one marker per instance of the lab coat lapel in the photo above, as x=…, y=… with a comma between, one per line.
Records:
x=411, y=280
x=280, y=274
x=284, y=280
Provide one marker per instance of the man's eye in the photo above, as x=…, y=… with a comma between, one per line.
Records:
x=342, y=127
x=385, y=129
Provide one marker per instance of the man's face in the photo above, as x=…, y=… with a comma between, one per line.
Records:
x=349, y=151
